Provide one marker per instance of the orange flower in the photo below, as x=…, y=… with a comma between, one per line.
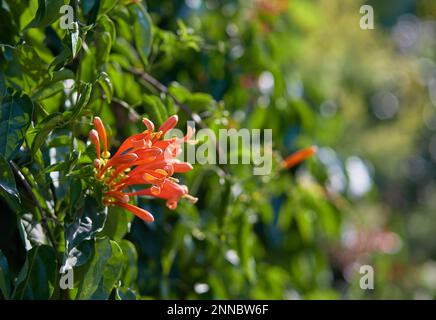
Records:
x=273, y=7
x=142, y=159
x=299, y=156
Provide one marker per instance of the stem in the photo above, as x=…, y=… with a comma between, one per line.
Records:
x=29, y=190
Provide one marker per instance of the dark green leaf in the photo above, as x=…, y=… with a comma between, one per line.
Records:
x=48, y=12
x=8, y=189
x=103, y=271
x=37, y=277
x=32, y=231
x=130, y=269
x=43, y=129
x=48, y=91
x=78, y=255
x=142, y=31
x=82, y=101
x=5, y=282
x=89, y=221
x=15, y=115
x=7, y=26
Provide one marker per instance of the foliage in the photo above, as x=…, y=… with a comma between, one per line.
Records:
x=301, y=68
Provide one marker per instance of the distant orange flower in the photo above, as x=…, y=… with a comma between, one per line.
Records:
x=142, y=159
x=273, y=7
x=299, y=156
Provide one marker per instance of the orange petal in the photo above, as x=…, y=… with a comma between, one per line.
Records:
x=182, y=167
x=139, y=212
x=93, y=136
x=149, y=124
x=298, y=157
x=169, y=124
x=130, y=141
x=119, y=196
x=122, y=159
x=98, y=124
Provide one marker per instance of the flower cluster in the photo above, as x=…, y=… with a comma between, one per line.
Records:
x=145, y=159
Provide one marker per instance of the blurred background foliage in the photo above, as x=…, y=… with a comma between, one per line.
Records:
x=302, y=68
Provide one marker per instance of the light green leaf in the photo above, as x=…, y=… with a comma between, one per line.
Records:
x=105, y=83
x=117, y=223
x=106, y=24
x=76, y=41
x=103, y=47
x=155, y=108
x=107, y=5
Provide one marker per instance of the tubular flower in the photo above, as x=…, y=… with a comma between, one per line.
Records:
x=144, y=159
x=299, y=156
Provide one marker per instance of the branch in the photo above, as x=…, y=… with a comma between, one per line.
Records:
x=126, y=106
x=159, y=86
x=163, y=89
x=29, y=190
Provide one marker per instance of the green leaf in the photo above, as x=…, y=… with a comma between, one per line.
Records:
x=7, y=26
x=130, y=269
x=103, y=271
x=76, y=41
x=48, y=91
x=106, y=24
x=37, y=277
x=304, y=219
x=125, y=294
x=89, y=221
x=43, y=129
x=32, y=231
x=155, y=108
x=47, y=13
x=15, y=115
x=142, y=31
x=82, y=101
x=105, y=83
x=8, y=189
x=117, y=223
x=5, y=286
x=107, y=5
x=103, y=47
x=78, y=255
